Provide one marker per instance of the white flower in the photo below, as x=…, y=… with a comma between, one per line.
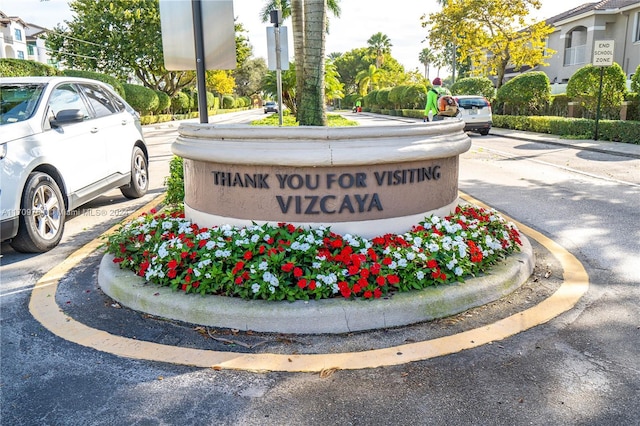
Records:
x=263, y=266
x=255, y=287
x=402, y=263
x=420, y=275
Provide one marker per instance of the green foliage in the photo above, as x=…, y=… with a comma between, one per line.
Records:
x=635, y=80
x=382, y=98
x=114, y=82
x=415, y=96
x=559, y=105
x=117, y=37
x=584, y=88
x=480, y=86
x=370, y=99
x=228, y=102
x=396, y=95
x=10, y=67
x=526, y=94
x=633, y=110
x=333, y=120
x=610, y=130
x=211, y=100
x=164, y=101
x=142, y=99
x=153, y=119
x=175, y=182
x=180, y=103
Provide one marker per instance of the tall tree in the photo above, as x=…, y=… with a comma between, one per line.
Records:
x=123, y=38
x=379, y=45
x=296, y=10
x=312, y=111
x=426, y=58
x=492, y=33
x=368, y=79
x=117, y=37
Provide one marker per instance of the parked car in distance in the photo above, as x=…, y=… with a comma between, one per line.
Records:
x=270, y=106
x=475, y=111
x=63, y=142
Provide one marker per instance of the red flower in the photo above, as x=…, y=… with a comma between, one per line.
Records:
x=297, y=272
x=196, y=284
x=302, y=283
x=117, y=259
x=387, y=261
x=202, y=243
x=380, y=280
x=184, y=287
x=172, y=273
x=375, y=268
x=248, y=255
x=393, y=279
x=172, y=264
x=287, y=267
x=312, y=285
x=431, y=263
x=184, y=254
x=368, y=294
x=377, y=293
x=237, y=268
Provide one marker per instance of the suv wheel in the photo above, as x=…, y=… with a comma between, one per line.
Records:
x=139, y=175
x=42, y=215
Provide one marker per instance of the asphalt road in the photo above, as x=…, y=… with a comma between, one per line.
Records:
x=580, y=368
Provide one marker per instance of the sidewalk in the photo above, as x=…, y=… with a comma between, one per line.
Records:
x=615, y=148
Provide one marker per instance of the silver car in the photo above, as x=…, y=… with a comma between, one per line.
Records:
x=63, y=142
x=476, y=113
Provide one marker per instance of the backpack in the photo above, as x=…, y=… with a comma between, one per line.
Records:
x=447, y=105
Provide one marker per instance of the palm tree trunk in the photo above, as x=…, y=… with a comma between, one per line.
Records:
x=297, y=22
x=311, y=111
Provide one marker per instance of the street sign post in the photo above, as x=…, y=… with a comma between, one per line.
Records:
x=602, y=57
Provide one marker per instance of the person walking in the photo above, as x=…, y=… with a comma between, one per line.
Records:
x=431, y=108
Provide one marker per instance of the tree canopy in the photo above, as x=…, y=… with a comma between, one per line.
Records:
x=123, y=38
x=494, y=34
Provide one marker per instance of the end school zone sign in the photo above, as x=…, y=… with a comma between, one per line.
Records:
x=603, y=53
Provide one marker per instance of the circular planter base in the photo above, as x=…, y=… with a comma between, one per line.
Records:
x=317, y=316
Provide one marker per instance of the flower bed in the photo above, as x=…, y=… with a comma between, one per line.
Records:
x=285, y=262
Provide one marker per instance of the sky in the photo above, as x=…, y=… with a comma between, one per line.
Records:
x=359, y=20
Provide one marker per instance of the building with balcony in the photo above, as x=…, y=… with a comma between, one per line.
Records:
x=21, y=40
x=576, y=32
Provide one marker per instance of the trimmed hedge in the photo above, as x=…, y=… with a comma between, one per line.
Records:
x=525, y=94
x=11, y=67
x=142, y=99
x=609, y=130
x=113, y=82
x=480, y=86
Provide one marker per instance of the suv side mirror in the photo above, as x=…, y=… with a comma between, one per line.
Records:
x=67, y=116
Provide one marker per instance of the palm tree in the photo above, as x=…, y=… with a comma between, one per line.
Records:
x=379, y=44
x=368, y=79
x=312, y=109
x=296, y=10
x=426, y=58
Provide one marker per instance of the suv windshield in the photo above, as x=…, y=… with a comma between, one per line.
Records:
x=18, y=102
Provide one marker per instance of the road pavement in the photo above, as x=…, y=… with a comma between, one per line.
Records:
x=579, y=368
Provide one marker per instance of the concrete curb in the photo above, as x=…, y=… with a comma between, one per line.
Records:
x=316, y=316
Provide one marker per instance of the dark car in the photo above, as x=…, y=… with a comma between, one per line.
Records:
x=270, y=107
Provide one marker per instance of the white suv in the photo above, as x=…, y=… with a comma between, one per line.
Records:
x=63, y=142
x=476, y=113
